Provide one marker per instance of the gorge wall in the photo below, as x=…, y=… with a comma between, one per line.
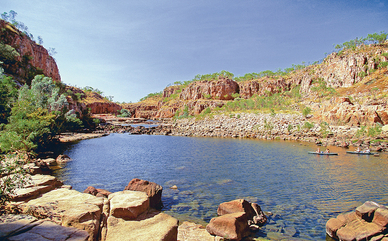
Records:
x=32, y=58
x=338, y=70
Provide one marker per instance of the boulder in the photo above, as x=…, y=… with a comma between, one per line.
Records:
x=253, y=210
x=128, y=204
x=232, y=226
x=358, y=229
x=380, y=217
x=91, y=190
x=366, y=210
x=68, y=208
x=62, y=159
x=97, y=192
x=367, y=221
x=238, y=205
x=153, y=191
x=152, y=225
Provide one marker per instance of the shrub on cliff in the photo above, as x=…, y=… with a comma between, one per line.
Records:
x=39, y=114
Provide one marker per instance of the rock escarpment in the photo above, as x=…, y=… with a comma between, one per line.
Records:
x=33, y=58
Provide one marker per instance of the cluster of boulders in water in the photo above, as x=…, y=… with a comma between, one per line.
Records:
x=45, y=209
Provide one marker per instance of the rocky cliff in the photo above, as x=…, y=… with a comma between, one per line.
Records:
x=31, y=59
x=323, y=87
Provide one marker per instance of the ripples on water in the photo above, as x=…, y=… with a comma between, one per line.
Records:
x=302, y=191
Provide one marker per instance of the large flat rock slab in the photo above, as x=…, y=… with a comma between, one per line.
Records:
x=37, y=185
x=189, y=231
x=25, y=227
x=152, y=225
x=128, y=204
x=68, y=208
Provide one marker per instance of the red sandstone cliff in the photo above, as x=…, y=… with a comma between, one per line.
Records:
x=338, y=71
x=33, y=58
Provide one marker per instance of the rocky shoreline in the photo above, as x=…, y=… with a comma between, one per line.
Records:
x=258, y=126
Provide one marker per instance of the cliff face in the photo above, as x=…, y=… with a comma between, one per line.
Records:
x=33, y=58
x=337, y=72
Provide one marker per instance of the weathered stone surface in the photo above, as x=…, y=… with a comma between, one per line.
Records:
x=254, y=213
x=189, y=231
x=221, y=89
x=231, y=226
x=62, y=159
x=238, y=205
x=39, y=56
x=149, y=226
x=11, y=224
x=128, y=204
x=366, y=210
x=358, y=229
x=153, y=191
x=50, y=231
x=50, y=161
x=380, y=217
x=25, y=227
x=67, y=208
x=91, y=190
x=369, y=220
x=37, y=185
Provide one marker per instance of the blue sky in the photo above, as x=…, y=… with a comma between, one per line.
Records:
x=129, y=49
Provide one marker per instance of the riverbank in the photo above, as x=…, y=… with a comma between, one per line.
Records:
x=278, y=127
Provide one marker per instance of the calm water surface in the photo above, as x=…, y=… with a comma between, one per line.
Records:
x=302, y=191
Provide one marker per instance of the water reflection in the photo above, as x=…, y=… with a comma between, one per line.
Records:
x=302, y=191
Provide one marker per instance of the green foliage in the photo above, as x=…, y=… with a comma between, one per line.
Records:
x=207, y=96
x=354, y=43
x=306, y=111
x=289, y=127
x=39, y=113
x=361, y=132
x=8, y=54
x=8, y=94
x=325, y=129
x=383, y=65
x=374, y=130
x=124, y=113
x=308, y=125
x=377, y=38
x=12, y=174
x=207, y=111
x=91, y=89
x=158, y=94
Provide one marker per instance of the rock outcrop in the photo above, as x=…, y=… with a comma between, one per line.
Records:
x=32, y=56
x=221, y=89
x=235, y=219
x=368, y=222
x=24, y=227
x=71, y=215
x=153, y=191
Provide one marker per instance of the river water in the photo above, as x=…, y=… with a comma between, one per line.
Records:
x=301, y=190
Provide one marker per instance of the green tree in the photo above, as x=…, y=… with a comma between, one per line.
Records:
x=8, y=95
x=39, y=114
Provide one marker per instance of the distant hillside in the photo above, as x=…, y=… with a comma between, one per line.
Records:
x=358, y=72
